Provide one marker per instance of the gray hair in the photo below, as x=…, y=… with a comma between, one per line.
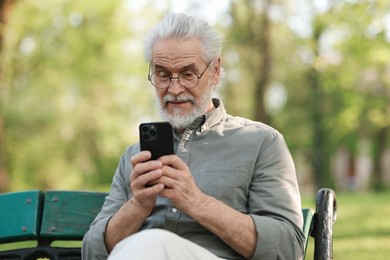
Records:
x=179, y=25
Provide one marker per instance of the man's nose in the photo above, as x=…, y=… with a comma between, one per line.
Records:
x=175, y=86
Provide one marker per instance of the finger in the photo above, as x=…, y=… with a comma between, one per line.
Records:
x=147, y=179
x=148, y=192
x=141, y=167
x=174, y=167
x=173, y=161
x=146, y=197
x=140, y=157
x=148, y=166
x=168, y=182
x=172, y=173
x=167, y=193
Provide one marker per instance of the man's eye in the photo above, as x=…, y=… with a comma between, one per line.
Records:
x=188, y=75
x=162, y=75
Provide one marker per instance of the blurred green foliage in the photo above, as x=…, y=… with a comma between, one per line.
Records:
x=330, y=85
x=74, y=87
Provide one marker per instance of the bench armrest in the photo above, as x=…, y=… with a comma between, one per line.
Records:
x=324, y=218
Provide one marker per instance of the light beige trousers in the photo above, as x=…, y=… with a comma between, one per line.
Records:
x=159, y=244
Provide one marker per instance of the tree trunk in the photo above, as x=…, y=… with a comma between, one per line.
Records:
x=319, y=157
x=264, y=74
x=318, y=151
x=251, y=32
x=381, y=141
x=5, y=7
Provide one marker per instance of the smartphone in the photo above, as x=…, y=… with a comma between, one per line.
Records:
x=156, y=137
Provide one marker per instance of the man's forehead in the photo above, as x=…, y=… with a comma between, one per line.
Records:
x=177, y=53
x=174, y=49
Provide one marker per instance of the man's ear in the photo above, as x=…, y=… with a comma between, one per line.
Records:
x=217, y=71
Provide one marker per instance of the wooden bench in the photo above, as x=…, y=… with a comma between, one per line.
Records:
x=46, y=217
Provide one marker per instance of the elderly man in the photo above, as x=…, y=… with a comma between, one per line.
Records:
x=228, y=192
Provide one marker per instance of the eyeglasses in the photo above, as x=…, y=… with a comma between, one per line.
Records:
x=162, y=79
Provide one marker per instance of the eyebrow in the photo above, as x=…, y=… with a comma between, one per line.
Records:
x=191, y=66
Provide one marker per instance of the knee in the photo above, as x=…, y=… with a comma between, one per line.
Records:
x=157, y=236
x=150, y=238
x=146, y=244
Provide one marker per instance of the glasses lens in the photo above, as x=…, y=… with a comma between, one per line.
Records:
x=188, y=79
x=160, y=79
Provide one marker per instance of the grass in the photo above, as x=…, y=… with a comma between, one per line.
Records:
x=362, y=229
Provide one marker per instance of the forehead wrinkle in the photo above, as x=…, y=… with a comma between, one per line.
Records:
x=177, y=63
x=191, y=66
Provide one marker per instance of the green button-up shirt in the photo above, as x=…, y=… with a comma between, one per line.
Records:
x=242, y=163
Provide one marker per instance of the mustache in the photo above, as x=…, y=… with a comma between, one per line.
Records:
x=179, y=98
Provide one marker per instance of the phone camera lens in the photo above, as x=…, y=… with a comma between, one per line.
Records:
x=152, y=132
x=145, y=129
x=145, y=137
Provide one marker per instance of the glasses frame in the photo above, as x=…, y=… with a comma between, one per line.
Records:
x=178, y=78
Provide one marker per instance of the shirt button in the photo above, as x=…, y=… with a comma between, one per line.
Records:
x=174, y=210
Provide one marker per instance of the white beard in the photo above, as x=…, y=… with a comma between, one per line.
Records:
x=178, y=120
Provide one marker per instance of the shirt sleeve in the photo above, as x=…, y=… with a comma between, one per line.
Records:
x=93, y=247
x=275, y=203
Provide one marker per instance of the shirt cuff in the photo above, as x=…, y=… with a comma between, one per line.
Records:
x=94, y=246
x=267, y=245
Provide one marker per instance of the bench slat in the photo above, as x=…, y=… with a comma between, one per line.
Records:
x=20, y=214
x=67, y=215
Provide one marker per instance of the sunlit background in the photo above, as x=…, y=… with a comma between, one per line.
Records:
x=73, y=90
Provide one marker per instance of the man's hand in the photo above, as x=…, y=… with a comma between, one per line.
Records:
x=144, y=180
x=179, y=184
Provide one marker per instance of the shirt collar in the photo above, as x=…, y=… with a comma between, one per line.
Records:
x=213, y=117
